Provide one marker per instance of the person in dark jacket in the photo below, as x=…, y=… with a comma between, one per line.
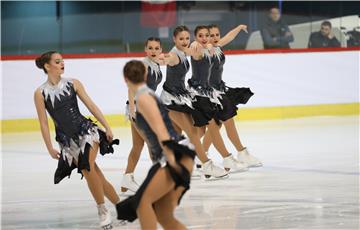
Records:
x=324, y=37
x=275, y=32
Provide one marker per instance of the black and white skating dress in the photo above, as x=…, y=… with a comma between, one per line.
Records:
x=154, y=75
x=154, y=78
x=175, y=94
x=74, y=132
x=233, y=96
x=204, y=96
x=127, y=209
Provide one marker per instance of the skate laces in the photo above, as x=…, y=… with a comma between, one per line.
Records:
x=235, y=161
x=132, y=178
x=102, y=211
x=209, y=165
x=213, y=167
x=232, y=159
x=246, y=152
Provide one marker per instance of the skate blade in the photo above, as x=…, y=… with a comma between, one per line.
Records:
x=107, y=227
x=212, y=178
x=195, y=177
x=232, y=171
x=117, y=224
x=256, y=166
x=126, y=194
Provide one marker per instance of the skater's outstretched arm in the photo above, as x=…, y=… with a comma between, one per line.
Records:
x=80, y=90
x=172, y=59
x=148, y=108
x=44, y=126
x=231, y=35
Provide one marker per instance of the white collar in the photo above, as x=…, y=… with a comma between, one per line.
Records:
x=53, y=91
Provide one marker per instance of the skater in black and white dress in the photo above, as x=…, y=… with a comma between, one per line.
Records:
x=205, y=97
x=179, y=100
x=154, y=76
x=78, y=137
x=173, y=156
x=230, y=97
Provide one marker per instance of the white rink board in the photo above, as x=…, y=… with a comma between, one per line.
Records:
x=277, y=80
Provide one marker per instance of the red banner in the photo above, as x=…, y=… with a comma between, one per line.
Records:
x=159, y=14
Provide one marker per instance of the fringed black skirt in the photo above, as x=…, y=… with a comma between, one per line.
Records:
x=74, y=151
x=127, y=208
x=184, y=102
x=230, y=98
x=238, y=95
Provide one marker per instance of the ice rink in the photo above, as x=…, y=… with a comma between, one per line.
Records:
x=310, y=180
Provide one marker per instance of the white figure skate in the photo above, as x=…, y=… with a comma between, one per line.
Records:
x=104, y=217
x=233, y=165
x=128, y=183
x=250, y=160
x=211, y=171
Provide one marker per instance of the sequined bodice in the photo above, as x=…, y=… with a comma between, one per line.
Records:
x=217, y=68
x=154, y=75
x=175, y=75
x=201, y=70
x=61, y=103
x=144, y=126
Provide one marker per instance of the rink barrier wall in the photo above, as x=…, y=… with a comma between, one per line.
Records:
x=244, y=114
x=287, y=84
x=141, y=54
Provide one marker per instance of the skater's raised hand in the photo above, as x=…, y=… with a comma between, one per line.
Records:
x=243, y=27
x=54, y=153
x=222, y=41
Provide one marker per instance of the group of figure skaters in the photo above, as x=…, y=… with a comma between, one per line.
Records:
x=177, y=127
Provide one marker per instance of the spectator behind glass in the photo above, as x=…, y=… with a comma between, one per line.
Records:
x=275, y=32
x=324, y=37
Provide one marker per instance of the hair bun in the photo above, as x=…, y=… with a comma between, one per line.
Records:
x=39, y=62
x=43, y=59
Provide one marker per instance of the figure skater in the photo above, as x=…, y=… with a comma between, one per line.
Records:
x=78, y=137
x=179, y=101
x=169, y=177
x=205, y=98
x=231, y=97
x=154, y=76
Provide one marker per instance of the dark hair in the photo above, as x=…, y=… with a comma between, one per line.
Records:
x=180, y=29
x=134, y=71
x=200, y=28
x=212, y=26
x=326, y=23
x=43, y=59
x=156, y=39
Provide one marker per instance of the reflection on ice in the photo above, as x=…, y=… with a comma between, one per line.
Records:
x=310, y=180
